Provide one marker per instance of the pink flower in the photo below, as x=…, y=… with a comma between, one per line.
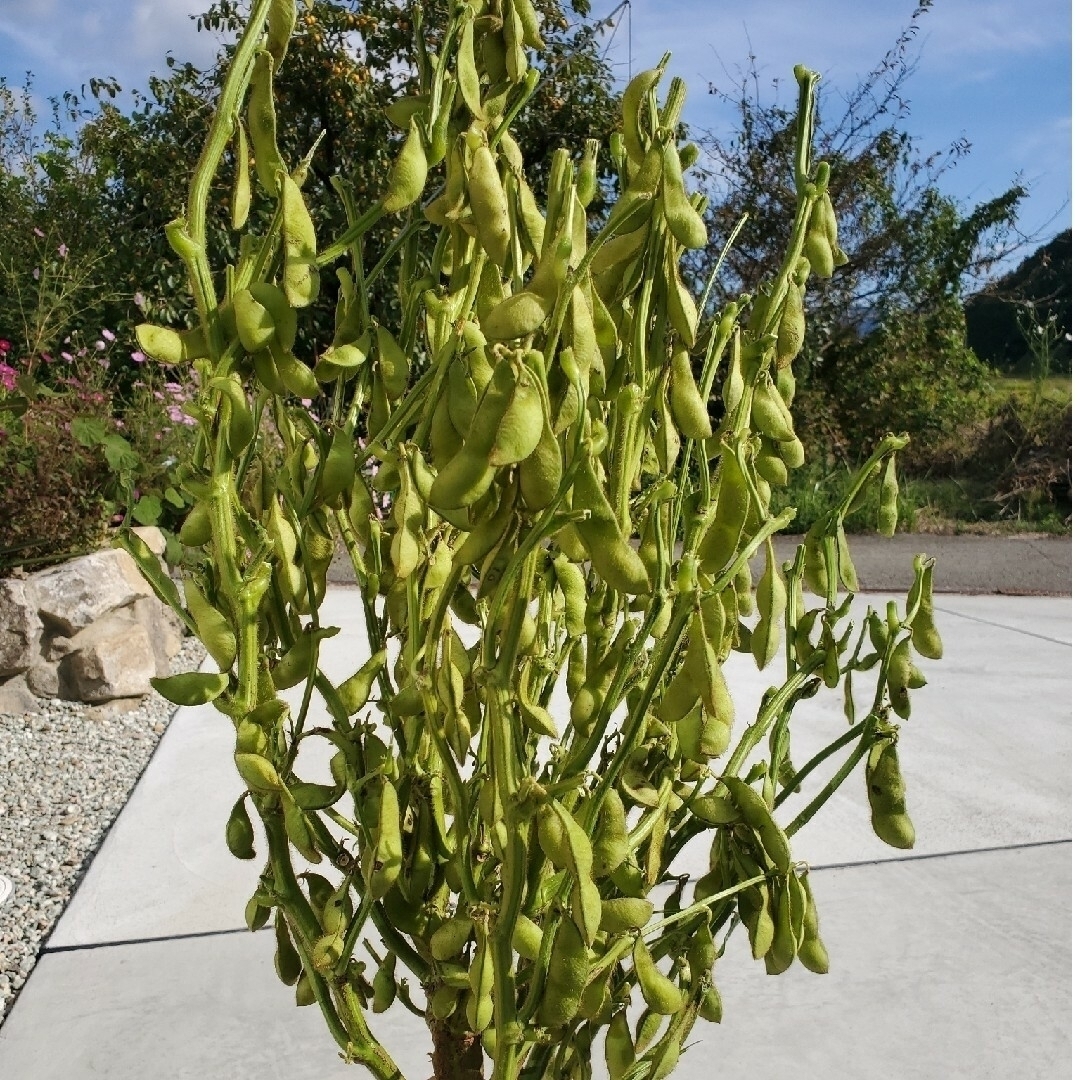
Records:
x=37, y=273
x=5, y=347
x=104, y=361
x=99, y=345
x=175, y=415
x=108, y=335
x=39, y=234
x=62, y=251
x=8, y=376
x=139, y=357
x=140, y=300
x=67, y=356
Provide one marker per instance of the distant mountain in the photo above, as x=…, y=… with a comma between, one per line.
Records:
x=1045, y=280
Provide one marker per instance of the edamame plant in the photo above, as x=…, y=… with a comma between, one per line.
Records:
x=536, y=502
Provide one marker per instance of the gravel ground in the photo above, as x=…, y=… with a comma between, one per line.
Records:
x=64, y=777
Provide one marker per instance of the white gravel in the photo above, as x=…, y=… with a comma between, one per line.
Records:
x=64, y=777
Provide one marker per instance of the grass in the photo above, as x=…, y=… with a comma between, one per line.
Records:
x=1056, y=388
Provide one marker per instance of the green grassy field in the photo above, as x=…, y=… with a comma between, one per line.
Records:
x=1055, y=387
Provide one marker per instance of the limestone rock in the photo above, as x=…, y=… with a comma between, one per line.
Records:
x=152, y=537
x=15, y=697
x=163, y=627
x=72, y=596
x=113, y=658
x=20, y=627
x=43, y=679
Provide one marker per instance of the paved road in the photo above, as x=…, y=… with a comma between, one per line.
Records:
x=1021, y=565
x=951, y=963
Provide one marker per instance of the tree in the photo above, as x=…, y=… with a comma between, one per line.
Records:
x=885, y=338
x=348, y=61
x=1042, y=284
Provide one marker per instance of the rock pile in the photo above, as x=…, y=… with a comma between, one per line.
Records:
x=89, y=630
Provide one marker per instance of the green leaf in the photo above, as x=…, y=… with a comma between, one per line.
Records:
x=147, y=510
x=191, y=687
x=14, y=405
x=174, y=498
x=89, y=430
x=118, y=453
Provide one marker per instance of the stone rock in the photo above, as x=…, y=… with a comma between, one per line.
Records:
x=44, y=680
x=113, y=658
x=72, y=596
x=163, y=627
x=15, y=697
x=20, y=627
x=152, y=537
x=109, y=710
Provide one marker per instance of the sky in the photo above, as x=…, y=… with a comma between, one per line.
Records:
x=994, y=72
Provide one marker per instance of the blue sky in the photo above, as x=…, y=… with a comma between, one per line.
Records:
x=996, y=72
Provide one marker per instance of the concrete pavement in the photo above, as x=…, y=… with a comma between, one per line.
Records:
x=954, y=963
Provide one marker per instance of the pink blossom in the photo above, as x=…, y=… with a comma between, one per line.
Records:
x=62, y=251
x=104, y=361
x=7, y=376
x=37, y=273
x=38, y=233
x=5, y=347
x=188, y=421
x=99, y=345
x=67, y=356
x=138, y=356
x=140, y=300
x=174, y=413
x=108, y=335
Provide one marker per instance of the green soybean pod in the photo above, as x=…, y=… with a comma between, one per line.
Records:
x=408, y=174
x=721, y=540
x=771, y=605
x=888, y=510
x=214, y=629
x=262, y=123
x=527, y=938
x=610, y=840
x=769, y=413
x=480, y=1005
x=792, y=329
x=632, y=100
x=286, y=959
x=339, y=467
x=812, y=953
x=541, y=472
x=682, y=219
x=758, y=816
x=467, y=77
x=619, y=1046
x=690, y=412
x=491, y=212
x=281, y=22
x=661, y=994
x=567, y=974
x=239, y=835
x=240, y=200
x=924, y=634
x=191, y=687
x=300, y=278
x=530, y=24
x=623, y=913
x=196, y=530
x=612, y=557
x=711, y=1008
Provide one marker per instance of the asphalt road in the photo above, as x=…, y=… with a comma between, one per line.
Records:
x=1022, y=565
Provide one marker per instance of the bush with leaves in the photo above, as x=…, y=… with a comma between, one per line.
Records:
x=534, y=413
